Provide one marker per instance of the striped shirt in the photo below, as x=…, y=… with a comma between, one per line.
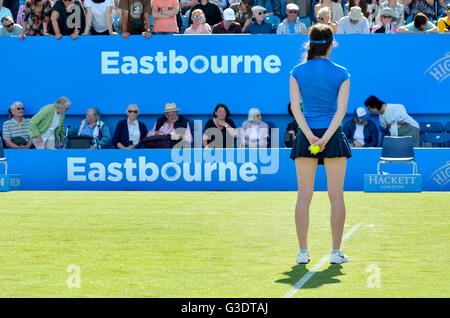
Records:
x=283, y=27
x=11, y=129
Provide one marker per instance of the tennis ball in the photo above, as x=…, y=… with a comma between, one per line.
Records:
x=315, y=149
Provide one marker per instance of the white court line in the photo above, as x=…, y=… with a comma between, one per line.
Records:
x=316, y=267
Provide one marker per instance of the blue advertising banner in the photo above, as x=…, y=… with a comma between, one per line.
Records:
x=201, y=169
x=197, y=72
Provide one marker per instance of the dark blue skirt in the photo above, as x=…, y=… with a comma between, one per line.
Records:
x=337, y=147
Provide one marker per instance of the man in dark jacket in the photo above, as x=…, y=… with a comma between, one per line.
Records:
x=361, y=131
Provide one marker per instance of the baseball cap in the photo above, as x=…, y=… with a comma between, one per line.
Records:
x=361, y=113
x=258, y=8
x=292, y=6
x=228, y=15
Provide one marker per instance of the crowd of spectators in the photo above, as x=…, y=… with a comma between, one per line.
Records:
x=165, y=17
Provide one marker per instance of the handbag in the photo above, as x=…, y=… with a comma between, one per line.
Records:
x=157, y=141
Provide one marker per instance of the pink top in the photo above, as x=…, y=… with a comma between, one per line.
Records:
x=169, y=130
x=199, y=30
x=168, y=24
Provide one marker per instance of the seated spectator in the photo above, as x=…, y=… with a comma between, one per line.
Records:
x=444, y=23
x=442, y=8
x=399, y=11
x=421, y=24
x=386, y=26
x=9, y=28
x=211, y=11
x=135, y=18
x=291, y=129
x=418, y=6
x=335, y=9
x=304, y=9
x=395, y=118
x=354, y=23
x=227, y=26
x=129, y=131
x=4, y=11
x=173, y=124
x=276, y=6
x=292, y=24
x=361, y=131
x=260, y=26
x=165, y=13
x=36, y=18
x=15, y=130
x=99, y=17
x=93, y=127
x=47, y=126
x=243, y=12
x=62, y=20
x=220, y=131
x=254, y=132
x=360, y=3
x=199, y=25
x=324, y=16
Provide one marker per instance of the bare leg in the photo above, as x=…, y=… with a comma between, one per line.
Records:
x=335, y=168
x=306, y=172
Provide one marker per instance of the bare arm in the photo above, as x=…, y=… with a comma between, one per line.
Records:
x=407, y=3
x=296, y=99
x=430, y=2
x=88, y=21
x=109, y=20
x=54, y=18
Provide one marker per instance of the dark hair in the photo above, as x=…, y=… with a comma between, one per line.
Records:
x=224, y=107
x=374, y=102
x=362, y=4
x=10, y=114
x=420, y=19
x=249, y=2
x=289, y=109
x=319, y=32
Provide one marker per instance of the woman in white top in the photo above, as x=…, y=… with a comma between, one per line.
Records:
x=99, y=17
x=395, y=118
x=336, y=9
x=254, y=132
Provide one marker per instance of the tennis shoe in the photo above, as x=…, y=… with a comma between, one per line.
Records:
x=338, y=258
x=303, y=257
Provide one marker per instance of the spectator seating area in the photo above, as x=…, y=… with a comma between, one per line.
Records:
x=434, y=134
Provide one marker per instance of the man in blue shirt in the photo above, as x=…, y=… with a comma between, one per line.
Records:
x=260, y=26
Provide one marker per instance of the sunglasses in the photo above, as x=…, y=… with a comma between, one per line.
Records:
x=261, y=13
x=197, y=17
x=19, y=108
x=293, y=11
x=133, y=111
x=8, y=26
x=386, y=16
x=320, y=18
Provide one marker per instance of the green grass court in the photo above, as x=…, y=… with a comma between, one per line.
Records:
x=218, y=244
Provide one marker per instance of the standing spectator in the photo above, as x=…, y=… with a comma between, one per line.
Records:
x=9, y=28
x=335, y=8
x=47, y=126
x=135, y=18
x=37, y=18
x=395, y=118
x=187, y=5
x=276, y=6
x=220, y=131
x=292, y=24
x=227, y=26
x=354, y=23
x=442, y=7
x=421, y=24
x=211, y=11
x=360, y=130
x=304, y=9
x=324, y=17
x=173, y=124
x=254, y=132
x=419, y=6
x=13, y=6
x=67, y=18
x=165, y=14
x=260, y=26
x=199, y=25
x=15, y=130
x=399, y=11
x=444, y=23
x=243, y=12
x=360, y=3
x=5, y=11
x=99, y=19
x=93, y=127
x=129, y=131
x=386, y=25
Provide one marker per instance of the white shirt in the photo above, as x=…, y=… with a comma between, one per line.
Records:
x=134, y=132
x=49, y=134
x=359, y=134
x=346, y=27
x=99, y=14
x=395, y=113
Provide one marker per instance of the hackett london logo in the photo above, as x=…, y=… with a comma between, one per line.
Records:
x=440, y=70
x=442, y=175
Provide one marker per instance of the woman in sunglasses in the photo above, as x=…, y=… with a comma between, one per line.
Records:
x=386, y=26
x=324, y=17
x=199, y=25
x=67, y=18
x=129, y=131
x=37, y=17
